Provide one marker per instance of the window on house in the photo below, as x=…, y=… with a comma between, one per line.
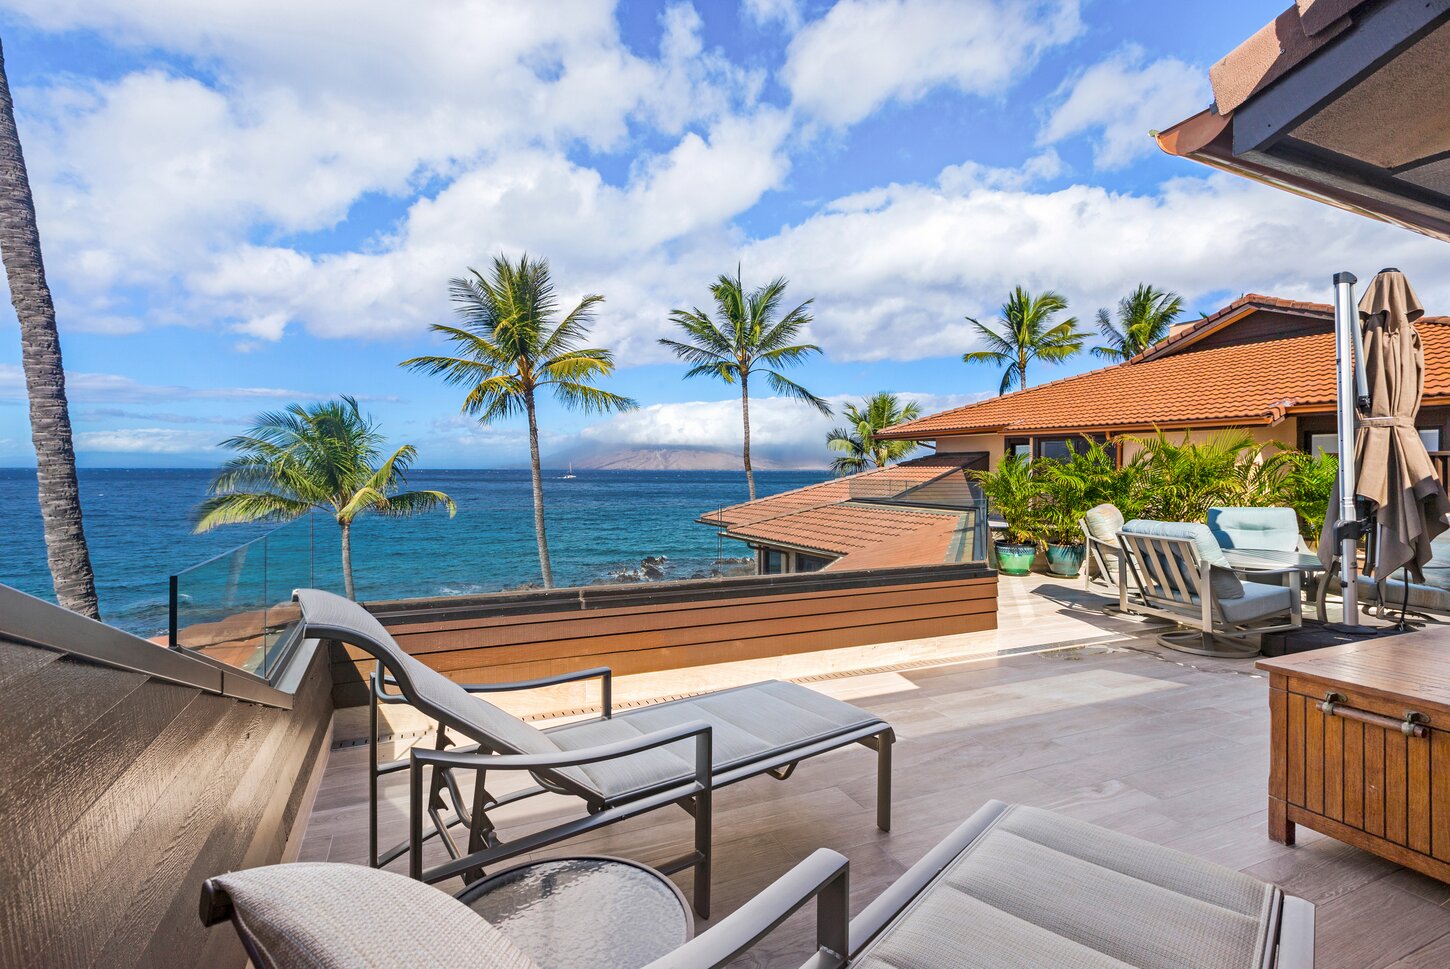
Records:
x=1329, y=443
x=774, y=562
x=1019, y=446
x=810, y=563
x=1061, y=448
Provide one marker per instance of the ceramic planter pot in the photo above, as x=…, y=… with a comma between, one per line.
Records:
x=1014, y=559
x=1065, y=560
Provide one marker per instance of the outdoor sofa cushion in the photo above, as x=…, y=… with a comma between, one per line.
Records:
x=1276, y=529
x=1038, y=889
x=330, y=916
x=747, y=723
x=1259, y=601
x=1222, y=580
x=1104, y=522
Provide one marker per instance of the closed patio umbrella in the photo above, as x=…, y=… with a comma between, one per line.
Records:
x=1392, y=467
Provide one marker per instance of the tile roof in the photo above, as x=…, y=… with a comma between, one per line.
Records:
x=844, y=527
x=824, y=518
x=907, y=473
x=1247, y=383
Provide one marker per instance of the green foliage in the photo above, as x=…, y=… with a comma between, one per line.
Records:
x=1167, y=479
x=1306, y=484
x=1015, y=492
x=1182, y=479
x=1143, y=318
x=746, y=337
x=509, y=346
x=1025, y=332
x=325, y=455
x=860, y=450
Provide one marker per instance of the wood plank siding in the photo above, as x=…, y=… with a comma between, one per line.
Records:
x=121, y=792
x=673, y=625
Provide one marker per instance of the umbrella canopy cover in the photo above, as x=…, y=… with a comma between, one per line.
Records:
x=1393, y=469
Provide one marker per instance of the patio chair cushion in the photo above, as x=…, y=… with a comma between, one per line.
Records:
x=1104, y=522
x=331, y=916
x=1038, y=889
x=1276, y=529
x=1259, y=601
x=1427, y=598
x=748, y=722
x=1224, y=583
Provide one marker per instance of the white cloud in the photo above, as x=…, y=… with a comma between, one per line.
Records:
x=780, y=428
x=765, y=13
x=145, y=440
x=1122, y=99
x=118, y=389
x=865, y=53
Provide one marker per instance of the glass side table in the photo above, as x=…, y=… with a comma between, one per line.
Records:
x=581, y=913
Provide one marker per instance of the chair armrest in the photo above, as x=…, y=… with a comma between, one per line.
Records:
x=824, y=876
x=1288, y=570
x=602, y=673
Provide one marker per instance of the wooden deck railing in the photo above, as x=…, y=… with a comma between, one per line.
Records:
x=652, y=627
x=1441, y=461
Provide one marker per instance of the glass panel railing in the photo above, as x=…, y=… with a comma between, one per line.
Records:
x=237, y=606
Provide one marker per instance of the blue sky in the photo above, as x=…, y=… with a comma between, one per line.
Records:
x=247, y=205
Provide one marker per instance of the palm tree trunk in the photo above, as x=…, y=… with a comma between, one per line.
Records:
x=347, y=586
x=1022, y=371
x=745, y=418
x=544, y=566
x=55, y=460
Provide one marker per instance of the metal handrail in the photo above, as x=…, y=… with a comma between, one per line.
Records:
x=35, y=622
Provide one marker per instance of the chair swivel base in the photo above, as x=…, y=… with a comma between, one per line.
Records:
x=1207, y=644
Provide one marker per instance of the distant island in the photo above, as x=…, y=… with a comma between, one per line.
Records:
x=667, y=458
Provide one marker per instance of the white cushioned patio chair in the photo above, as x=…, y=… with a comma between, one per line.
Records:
x=620, y=766
x=1100, y=526
x=1012, y=888
x=1178, y=571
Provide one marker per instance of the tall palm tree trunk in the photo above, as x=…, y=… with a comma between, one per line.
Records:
x=347, y=586
x=55, y=460
x=745, y=418
x=544, y=566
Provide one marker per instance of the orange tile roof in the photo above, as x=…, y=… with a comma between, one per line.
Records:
x=844, y=527
x=1241, y=384
x=918, y=471
x=945, y=541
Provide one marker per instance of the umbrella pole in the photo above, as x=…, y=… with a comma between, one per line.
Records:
x=1346, y=321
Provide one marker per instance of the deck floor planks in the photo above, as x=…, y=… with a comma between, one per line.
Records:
x=1122, y=733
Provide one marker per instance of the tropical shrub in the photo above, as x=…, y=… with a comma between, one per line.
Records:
x=1087, y=479
x=1180, y=480
x=1015, y=492
x=1306, y=484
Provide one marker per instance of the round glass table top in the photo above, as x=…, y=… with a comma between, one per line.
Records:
x=580, y=913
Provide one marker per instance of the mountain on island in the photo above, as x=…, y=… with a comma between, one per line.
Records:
x=606, y=457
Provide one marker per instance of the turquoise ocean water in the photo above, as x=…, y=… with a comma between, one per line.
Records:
x=602, y=525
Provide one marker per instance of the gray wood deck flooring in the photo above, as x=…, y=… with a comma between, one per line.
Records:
x=1157, y=744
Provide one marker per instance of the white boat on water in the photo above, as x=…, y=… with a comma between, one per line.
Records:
x=570, y=475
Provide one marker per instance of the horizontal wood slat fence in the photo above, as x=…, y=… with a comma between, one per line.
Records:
x=672, y=625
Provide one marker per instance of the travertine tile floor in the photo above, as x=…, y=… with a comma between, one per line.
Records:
x=1120, y=732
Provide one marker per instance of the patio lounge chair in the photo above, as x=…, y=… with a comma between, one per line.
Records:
x=1012, y=887
x=620, y=766
x=1272, y=529
x=1100, y=526
x=1179, y=572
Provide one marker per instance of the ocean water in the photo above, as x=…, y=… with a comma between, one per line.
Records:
x=602, y=525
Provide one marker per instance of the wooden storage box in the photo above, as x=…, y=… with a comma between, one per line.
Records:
x=1360, y=747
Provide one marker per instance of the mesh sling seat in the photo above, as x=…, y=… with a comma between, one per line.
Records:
x=620, y=766
x=1012, y=888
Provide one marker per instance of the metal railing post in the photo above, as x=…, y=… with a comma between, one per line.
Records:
x=1346, y=321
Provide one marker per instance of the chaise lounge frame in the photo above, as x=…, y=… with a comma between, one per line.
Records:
x=434, y=789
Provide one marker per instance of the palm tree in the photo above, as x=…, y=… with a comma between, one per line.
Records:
x=746, y=339
x=321, y=456
x=857, y=440
x=1144, y=317
x=1025, y=332
x=55, y=459
x=510, y=349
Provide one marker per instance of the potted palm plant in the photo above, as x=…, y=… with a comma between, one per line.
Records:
x=1014, y=493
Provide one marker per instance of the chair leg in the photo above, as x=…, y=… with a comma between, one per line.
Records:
x=704, y=809
x=372, y=776
x=884, y=742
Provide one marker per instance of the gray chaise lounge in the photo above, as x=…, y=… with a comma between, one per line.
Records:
x=620, y=766
x=1012, y=888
